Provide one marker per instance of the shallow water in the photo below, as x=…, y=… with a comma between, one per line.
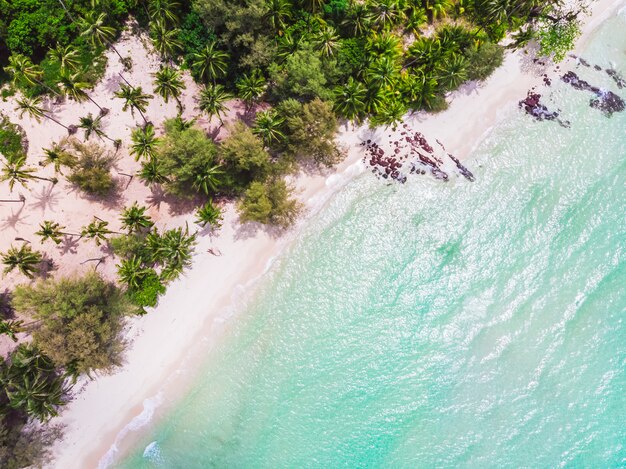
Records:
x=429, y=324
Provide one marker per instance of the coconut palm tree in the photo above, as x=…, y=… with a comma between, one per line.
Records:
x=358, y=19
x=131, y=271
x=24, y=259
x=67, y=57
x=58, y=157
x=168, y=83
x=96, y=230
x=11, y=328
x=350, y=99
x=32, y=383
x=209, y=214
x=93, y=126
x=251, y=87
x=180, y=124
x=32, y=107
x=382, y=73
x=209, y=180
x=163, y=11
x=277, y=14
x=212, y=99
x=267, y=125
x=390, y=112
x=385, y=44
x=210, y=63
x=135, y=220
x=386, y=13
x=72, y=87
x=327, y=41
x=93, y=27
x=152, y=173
x=144, y=142
x=165, y=40
x=134, y=98
x=437, y=8
x=313, y=5
x=22, y=69
x=49, y=230
x=15, y=171
x=173, y=248
x=453, y=72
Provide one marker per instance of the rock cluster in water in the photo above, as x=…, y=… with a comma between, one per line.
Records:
x=410, y=154
x=606, y=101
x=533, y=106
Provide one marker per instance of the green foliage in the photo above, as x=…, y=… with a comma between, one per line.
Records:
x=92, y=169
x=23, y=444
x=557, y=38
x=269, y=203
x=188, y=160
x=193, y=36
x=148, y=290
x=209, y=214
x=310, y=134
x=24, y=259
x=483, y=61
x=244, y=156
x=171, y=249
x=81, y=321
x=302, y=76
x=13, y=142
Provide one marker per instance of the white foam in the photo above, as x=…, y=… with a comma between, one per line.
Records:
x=149, y=407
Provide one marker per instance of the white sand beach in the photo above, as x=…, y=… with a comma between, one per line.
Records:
x=198, y=305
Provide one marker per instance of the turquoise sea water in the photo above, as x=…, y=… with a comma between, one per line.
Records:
x=438, y=325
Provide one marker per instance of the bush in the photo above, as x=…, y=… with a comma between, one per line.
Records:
x=311, y=132
x=127, y=246
x=269, y=203
x=482, y=62
x=13, y=142
x=81, y=321
x=183, y=157
x=92, y=171
x=244, y=156
x=148, y=292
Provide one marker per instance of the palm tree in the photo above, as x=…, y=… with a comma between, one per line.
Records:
x=173, y=248
x=386, y=13
x=437, y=8
x=209, y=180
x=93, y=27
x=212, y=99
x=268, y=126
x=67, y=57
x=385, y=44
x=11, y=328
x=313, y=5
x=350, y=99
x=131, y=271
x=358, y=19
x=382, y=73
x=72, y=87
x=22, y=69
x=49, y=230
x=134, y=98
x=23, y=258
x=96, y=230
x=327, y=41
x=209, y=214
x=251, y=87
x=181, y=124
x=453, y=72
x=93, y=125
x=135, y=220
x=32, y=106
x=152, y=172
x=278, y=12
x=14, y=171
x=168, y=83
x=32, y=383
x=390, y=112
x=58, y=157
x=163, y=11
x=144, y=142
x=165, y=40
x=210, y=63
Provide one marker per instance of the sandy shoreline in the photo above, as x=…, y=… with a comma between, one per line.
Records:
x=196, y=306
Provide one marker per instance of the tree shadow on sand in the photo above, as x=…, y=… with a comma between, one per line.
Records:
x=14, y=219
x=46, y=199
x=176, y=205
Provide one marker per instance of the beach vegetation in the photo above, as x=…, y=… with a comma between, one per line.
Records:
x=80, y=321
x=269, y=202
x=209, y=214
x=91, y=168
x=24, y=258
